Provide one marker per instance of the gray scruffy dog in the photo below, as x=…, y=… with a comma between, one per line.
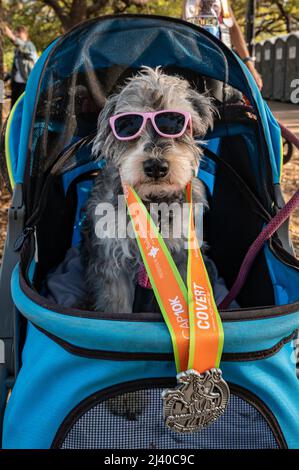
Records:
x=113, y=263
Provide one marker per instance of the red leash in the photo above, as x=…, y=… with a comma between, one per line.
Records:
x=288, y=135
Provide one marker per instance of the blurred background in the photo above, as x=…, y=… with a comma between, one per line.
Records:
x=270, y=28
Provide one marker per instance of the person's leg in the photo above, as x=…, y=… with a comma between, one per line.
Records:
x=16, y=90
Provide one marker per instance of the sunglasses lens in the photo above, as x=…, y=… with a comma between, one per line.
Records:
x=129, y=125
x=170, y=123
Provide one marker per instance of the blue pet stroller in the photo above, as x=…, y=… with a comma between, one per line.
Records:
x=64, y=370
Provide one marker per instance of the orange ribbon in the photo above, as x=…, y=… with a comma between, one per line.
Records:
x=190, y=313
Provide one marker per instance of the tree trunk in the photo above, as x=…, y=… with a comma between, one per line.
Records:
x=250, y=25
x=79, y=10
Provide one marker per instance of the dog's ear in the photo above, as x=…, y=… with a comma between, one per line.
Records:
x=204, y=112
x=101, y=144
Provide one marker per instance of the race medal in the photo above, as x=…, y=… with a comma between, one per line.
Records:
x=198, y=401
x=192, y=319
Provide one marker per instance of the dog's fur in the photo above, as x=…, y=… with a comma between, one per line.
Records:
x=112, y=264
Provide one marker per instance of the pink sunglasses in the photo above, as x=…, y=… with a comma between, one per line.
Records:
x=167, y=123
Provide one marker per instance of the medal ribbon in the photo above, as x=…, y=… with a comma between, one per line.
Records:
x=190, y=313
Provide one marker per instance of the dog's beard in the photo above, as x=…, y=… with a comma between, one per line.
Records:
x=182, y=158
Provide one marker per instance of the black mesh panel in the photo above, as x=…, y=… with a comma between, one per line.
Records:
x=134, y=421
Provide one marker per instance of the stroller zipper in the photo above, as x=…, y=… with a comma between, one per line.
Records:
x=21, y=239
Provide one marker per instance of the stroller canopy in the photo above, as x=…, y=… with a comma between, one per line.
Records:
x=76, y=73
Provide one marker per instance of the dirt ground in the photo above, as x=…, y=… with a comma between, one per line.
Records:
x=287, y=114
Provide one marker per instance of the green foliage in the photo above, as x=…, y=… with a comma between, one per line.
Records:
x=8, y=57
x=276, y=17
x=163, y=7
x=42, y=23
x=45, y=22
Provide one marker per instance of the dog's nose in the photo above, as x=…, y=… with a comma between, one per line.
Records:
x=154, y=168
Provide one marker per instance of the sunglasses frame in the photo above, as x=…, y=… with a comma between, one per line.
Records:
x=151, y=116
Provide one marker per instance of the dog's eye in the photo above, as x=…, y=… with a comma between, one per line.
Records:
x=170, y=123
x=128, y=126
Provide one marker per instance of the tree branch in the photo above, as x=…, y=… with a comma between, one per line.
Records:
x=60, y=12
x=284, y=14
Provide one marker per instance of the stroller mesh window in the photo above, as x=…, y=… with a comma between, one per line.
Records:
x=85, y=67
x=134, y=420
